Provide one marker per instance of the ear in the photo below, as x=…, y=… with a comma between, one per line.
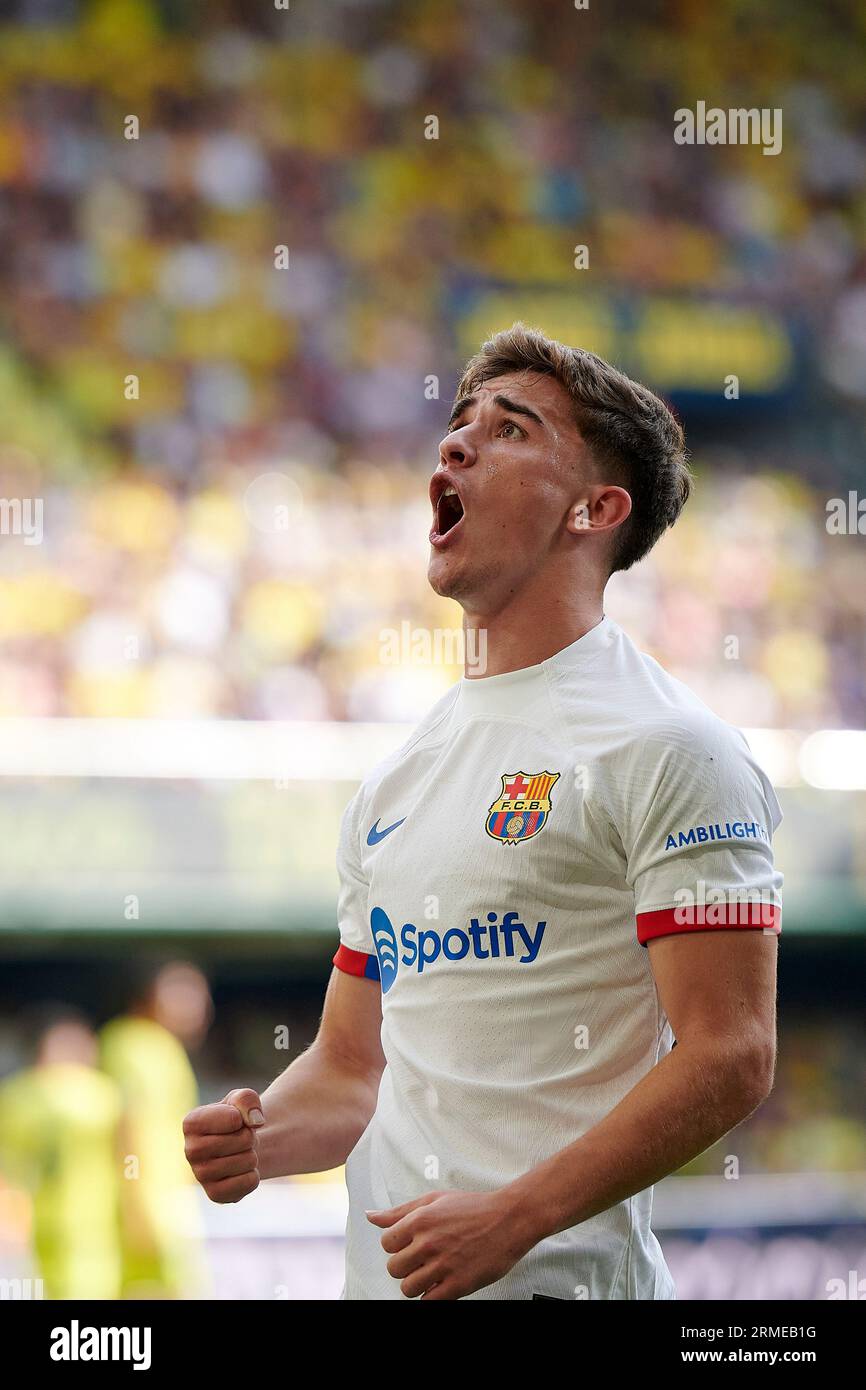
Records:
x=601, y=508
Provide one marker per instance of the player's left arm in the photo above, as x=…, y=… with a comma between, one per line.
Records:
x=718, y=989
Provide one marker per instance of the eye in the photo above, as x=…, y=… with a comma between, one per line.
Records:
x=511, y=425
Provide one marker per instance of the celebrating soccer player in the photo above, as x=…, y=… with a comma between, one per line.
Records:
x=564, y=869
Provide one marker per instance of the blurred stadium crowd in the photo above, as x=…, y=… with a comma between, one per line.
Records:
x=162, y=585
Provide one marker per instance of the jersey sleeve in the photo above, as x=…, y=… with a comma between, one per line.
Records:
x=356, y=953
x=698, y=826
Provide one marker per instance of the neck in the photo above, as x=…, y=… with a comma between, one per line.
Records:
x=527, y=630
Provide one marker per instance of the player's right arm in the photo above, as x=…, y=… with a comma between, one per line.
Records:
x=311, y=1117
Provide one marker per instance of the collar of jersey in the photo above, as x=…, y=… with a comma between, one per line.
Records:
x=505, y=693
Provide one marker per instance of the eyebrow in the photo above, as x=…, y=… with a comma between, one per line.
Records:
x=513, y=408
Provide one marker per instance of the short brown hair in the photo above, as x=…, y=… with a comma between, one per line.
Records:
x=626, y=426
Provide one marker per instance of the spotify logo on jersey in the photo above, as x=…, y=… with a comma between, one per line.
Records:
x=386, y=947
x=487, y=940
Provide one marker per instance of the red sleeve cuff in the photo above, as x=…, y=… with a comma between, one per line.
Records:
x=669, y=921
x=356, y=962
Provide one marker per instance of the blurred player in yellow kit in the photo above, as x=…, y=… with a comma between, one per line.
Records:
x=144, y=1052
x=58, y=1138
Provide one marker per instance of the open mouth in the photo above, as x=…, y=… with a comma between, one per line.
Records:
x=448, y=514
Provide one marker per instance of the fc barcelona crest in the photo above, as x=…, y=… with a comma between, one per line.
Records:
x=522, y=807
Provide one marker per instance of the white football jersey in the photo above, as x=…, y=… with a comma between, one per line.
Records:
x=501, y=874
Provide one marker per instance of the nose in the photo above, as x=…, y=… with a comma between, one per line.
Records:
x=457, y=449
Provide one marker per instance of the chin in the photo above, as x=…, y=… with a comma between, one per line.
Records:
x=437, y=577
x=443, y=579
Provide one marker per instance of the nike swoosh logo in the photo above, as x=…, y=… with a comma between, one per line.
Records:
x=374, y=834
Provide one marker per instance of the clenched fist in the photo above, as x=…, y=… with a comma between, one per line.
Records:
x=220, y=1145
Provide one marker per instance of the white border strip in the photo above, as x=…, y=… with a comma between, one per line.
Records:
x=239, y=750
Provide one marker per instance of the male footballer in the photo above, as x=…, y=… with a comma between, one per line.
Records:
x=558, y=907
